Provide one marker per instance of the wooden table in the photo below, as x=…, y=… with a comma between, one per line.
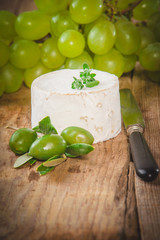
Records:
x=97, y=197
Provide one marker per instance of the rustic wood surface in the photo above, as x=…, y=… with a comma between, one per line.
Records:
x=97, y=197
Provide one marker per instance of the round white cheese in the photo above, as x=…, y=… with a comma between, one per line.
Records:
x=96, y=109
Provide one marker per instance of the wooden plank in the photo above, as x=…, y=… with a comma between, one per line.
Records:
x=148, y=194
x=88, y=198
x=82, y=199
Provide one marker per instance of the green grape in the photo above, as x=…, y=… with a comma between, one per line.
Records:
x=51, y=6
x=32, y=25
x=157, y=31
x=149, y=57
x=102, y=37
x=154, y=24
x=61, y=22
x=32, y=73
x=121, y=4
x=4, y=54
x=145, y=9
x=50, y=54
x=128, y=37
x=2, y=86
x=89, y=26
x=146, y=37
x=111, y=62
x=129, y=62
x=71, y=43
x=24, y=53
x=7, y=20
x=154, y=76
x=77, y=62
x=85, y=11
x=12, y=77
x=151, y=21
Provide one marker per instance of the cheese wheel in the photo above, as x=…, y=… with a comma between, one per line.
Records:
x=95, y=109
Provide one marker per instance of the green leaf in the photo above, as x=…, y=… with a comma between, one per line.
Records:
x=93, y=75
x=54, y=161
x=70, y=155
x=44, y=170
x=22, y=160
x=32, y=161
x=92, y=84
x=77, y=84
x=37, y=129
x=79, y=149
x=45, y=126
x=85, y=66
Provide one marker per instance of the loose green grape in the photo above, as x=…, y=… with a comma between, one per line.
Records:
x=12, y=77
x=111, y=62
x=51, y=6
x=149, y=57
x=4, y=54
x=32, y=25
x=24, y=53
x=77, y=62
x=2, y=86
x=146, y=37
x=129, y=62
x=85, y=11
x=32, y=73
x=102, y=37
x=145, y=9
x=128, y=37
x=61, y=22
x=50, y=54
x=7, y=20
x=71, y=43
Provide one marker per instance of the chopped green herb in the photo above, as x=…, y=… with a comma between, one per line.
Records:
x=87, y=78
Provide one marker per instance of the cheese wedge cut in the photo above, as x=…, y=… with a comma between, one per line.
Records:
x=95, y=109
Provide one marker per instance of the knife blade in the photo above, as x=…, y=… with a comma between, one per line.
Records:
x=145, y=165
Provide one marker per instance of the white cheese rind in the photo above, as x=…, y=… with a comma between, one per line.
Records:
x=96, y=109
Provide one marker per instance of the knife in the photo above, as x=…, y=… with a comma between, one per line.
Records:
x=145, y=165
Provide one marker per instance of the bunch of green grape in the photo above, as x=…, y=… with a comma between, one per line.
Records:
x=108, y=35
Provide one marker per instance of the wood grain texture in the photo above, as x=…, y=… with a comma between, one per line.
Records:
x=97, y=197
x=83, y=198
x=148, y=194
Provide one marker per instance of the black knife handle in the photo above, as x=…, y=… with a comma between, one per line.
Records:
x=145, y=165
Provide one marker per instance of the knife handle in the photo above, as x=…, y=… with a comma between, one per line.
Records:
x=145, y=165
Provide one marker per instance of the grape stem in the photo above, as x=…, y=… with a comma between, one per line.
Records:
x=135, y=4
x=111, y=10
